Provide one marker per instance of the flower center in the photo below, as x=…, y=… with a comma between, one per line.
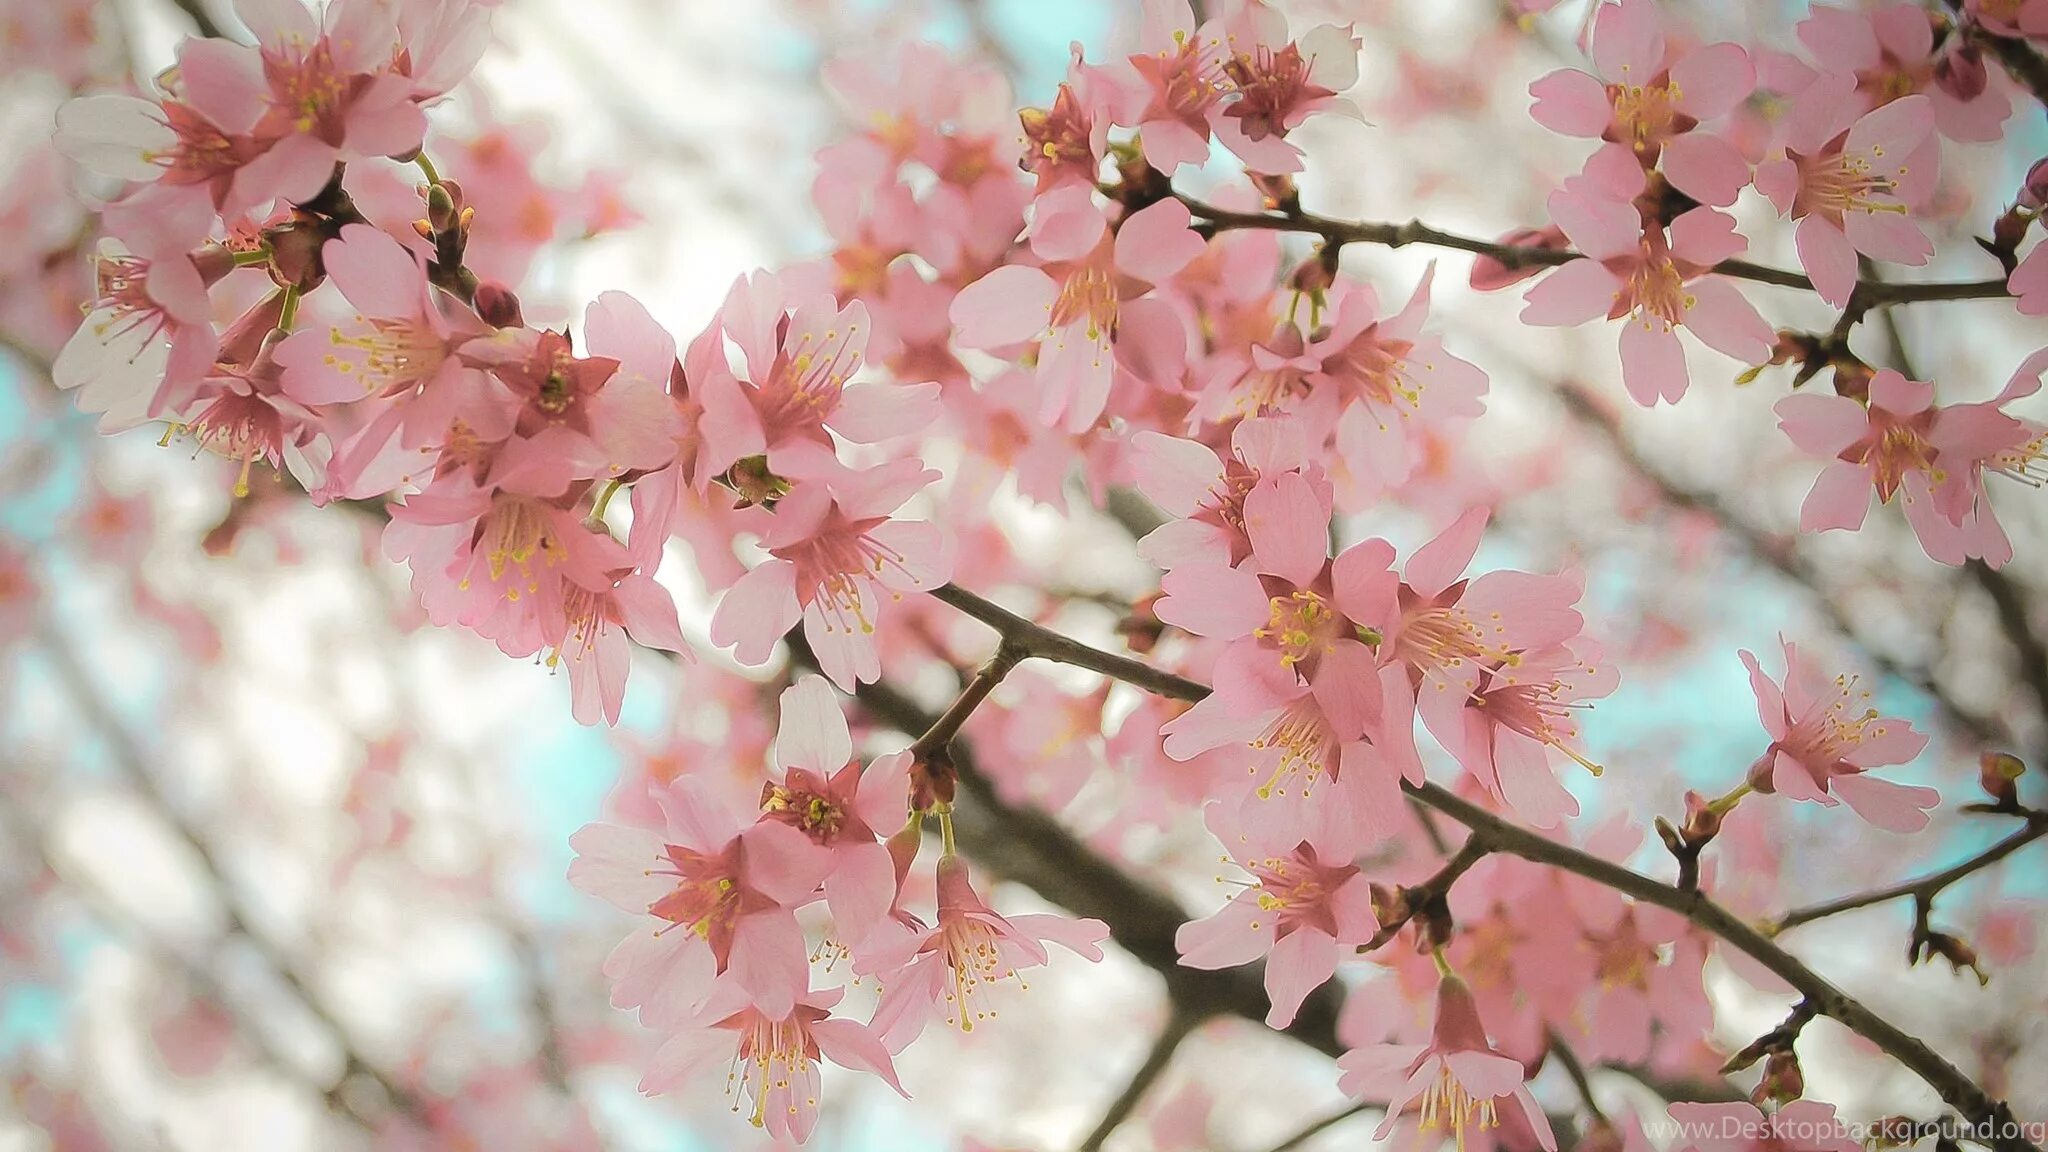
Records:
x=1446, y=1104
x=1656, y=291
x=1645, y=113
x=773, y=1057
x=1300, y=625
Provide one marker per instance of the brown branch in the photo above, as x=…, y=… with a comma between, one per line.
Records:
x=1923, y=889
x=1500, y=835
x=1871, y=293
x=1575, y=1071
x=1177, y=1028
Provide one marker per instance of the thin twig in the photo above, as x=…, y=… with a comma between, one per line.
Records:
x=1178, y=1025
x=1925, y=888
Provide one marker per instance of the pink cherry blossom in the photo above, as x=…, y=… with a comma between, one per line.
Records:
x=1901, y=443
x=774, y=1058
x=1298, y=911
x=1650, y=100
x=1825, y=738
x=960, y=962
x=1179, y=68
x=1659, y=280
x=1206, y=494
x=834, y=551
x=726, y=890
x=148, y=336
x=1739, y=1126
x=1088, y=302
x=1851, y=182
x=801, y=357
x=1519, y=710
x=1277, y=83
x=1890, y=53
x=825, y=794
x=1459, y=1076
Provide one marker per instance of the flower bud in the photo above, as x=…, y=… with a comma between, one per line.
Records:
x=1490, y=273
x=295, y=255
x=1702, y=820
x=498, y=306
x=933, y=781
x=2000, y=774
x=442, y=206
x=1783, y=1080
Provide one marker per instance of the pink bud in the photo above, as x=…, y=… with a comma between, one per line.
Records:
x=1962, y=74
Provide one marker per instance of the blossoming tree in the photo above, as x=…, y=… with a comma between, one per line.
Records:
x=923, y=738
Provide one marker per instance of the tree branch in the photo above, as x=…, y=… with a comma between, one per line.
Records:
x=1870, y=293
x=1500, y=835
x=1925, y=888
x=1178, y=1025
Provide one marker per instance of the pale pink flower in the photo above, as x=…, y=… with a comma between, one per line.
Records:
x=773, y=1058
x=1900, y=443
x=1064, y=144
x=1649, y=101
x=1459, y=1076
x=725, y=890
x=1088, y=303
x=579, y=418
x=1637, y=994
x=1889, y=52
x=1300, y=912
x=834, y=552
x=1657, y=280
x=801, y=353
x=1388, y=380
x=1278, y=82
x=196, y=142
x=589, y=630
x=1852, y=180
x=1205, y=493
x=326, y=89
x=824, y=793
x=1441, y=633
x=1520, y=709
x=1825, y=737
x=1179, y=68
x=959, y=963
x=148, y=336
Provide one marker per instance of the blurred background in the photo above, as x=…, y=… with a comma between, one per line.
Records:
x=279, y=863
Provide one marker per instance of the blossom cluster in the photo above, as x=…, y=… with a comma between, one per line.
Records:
x=1036, y=289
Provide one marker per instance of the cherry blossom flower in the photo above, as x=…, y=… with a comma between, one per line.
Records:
x=833, y=551
x=1179, y=67
x=1659, y=280
x=1518, y=710
x=825, y=794
x=588, y=629
x=1889, y=52
x=1902, y=443
x=1459, y=1076
x=148, y=337
x=1205, y=493
x=725, y=890
x=1087, y=302
x=1277, y=83
x=801, y=356
x=1850, y=181
x=1649, y=101
x=1299, y=907
x=1825, y=737
x=774, y=1059
x=970, y=951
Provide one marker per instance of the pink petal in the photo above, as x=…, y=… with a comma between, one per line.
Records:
x=1238, y=933
x=1572, y=293
x=1289, y=528
x=1706, y=168
x=1571, y=103
x=1713, y=80
x=1652, y=363
x=1008, y=306
x=1213, y=600
x=1724, y=320
x=873, y=411
x=1299, y=964
x=1840, y=498
x=1174, y=474
x=1822, y=423
x=813, y=732
x=1628, y=42
x=1154, y=243
x=1891, y=806
x=1829, y=260
x=770, y=960
x=1437, y=565
x=756, y=611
